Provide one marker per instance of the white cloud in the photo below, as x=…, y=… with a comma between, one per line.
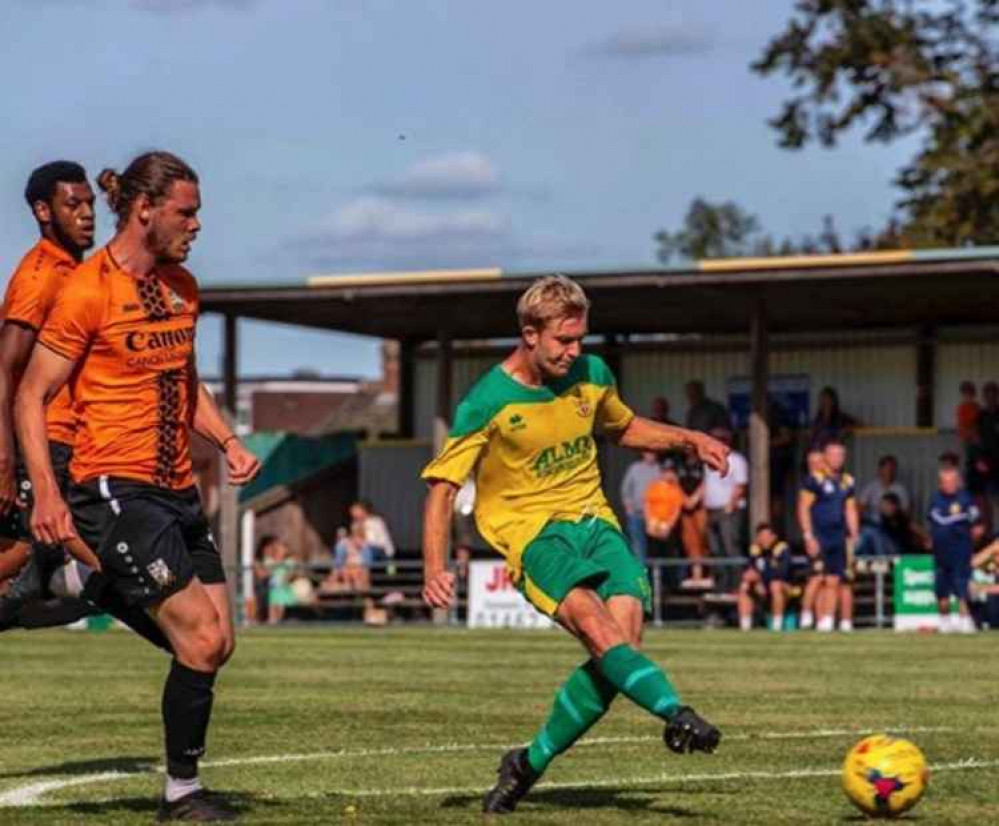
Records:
x=653, y=42
x=382, y=219
x=373, y=232
x=459, y=175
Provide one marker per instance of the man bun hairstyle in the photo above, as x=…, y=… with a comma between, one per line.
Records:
x=42, y=181
x=151, y=174
x=548, y=298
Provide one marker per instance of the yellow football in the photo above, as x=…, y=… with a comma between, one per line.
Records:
x=885, y=776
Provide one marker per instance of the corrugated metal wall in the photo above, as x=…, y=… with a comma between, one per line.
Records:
x=876, y=382
x=389, y=477
x=957, y=361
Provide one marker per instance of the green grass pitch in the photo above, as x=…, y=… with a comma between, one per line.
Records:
x=405, y=726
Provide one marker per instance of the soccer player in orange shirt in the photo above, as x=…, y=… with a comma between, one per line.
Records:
x=62, y=202
x=122, y=333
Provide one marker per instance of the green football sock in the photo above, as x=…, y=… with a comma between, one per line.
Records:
x=579, y=703
x=640, y=680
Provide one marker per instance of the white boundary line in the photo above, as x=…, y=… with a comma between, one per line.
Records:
x=31, y=794
x=619, y=782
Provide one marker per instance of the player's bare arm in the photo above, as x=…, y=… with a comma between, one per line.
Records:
x=645, y=434
x=16, y=341
x=45, y=376
x=211, y=424
x=438, y=582
x=853, y=520
x=805, y=500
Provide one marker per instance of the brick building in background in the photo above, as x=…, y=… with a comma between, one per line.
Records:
x=307, y=405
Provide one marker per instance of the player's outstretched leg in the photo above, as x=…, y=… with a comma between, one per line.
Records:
x=579, y=704
x=632, y=673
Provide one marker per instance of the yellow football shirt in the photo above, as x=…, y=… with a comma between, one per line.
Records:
x=532, y=451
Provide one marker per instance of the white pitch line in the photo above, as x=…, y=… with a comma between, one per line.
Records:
x=31, y=794
x=792, y=774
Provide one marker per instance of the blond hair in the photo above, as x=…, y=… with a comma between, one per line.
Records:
x=549, y=298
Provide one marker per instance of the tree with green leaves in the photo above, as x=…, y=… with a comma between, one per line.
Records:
x=895, y=68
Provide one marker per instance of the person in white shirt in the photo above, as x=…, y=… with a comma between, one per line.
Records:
x=640, y=474
x=725, y=500
x=376, y=532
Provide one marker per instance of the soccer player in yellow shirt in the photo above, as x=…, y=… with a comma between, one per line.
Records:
x=526, y=432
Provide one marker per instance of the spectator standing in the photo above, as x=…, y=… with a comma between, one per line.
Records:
x=694, y=521
x=663, y=504
x=830, y=525
x=830, y=422
x=661, y=414
x=640, y=474
x=875, y=490
x=765, y=577
x=705, y=414
x=954, y=527
x=781, y=458
x=725, y=500
x=967, y=413
x=988, y=446
x=376, y=532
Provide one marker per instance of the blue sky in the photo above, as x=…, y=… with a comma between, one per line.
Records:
x=350, y=135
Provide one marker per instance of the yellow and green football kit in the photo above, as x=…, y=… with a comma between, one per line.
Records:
x=539, y=500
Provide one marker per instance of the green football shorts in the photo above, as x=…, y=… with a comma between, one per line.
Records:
x=591, y=552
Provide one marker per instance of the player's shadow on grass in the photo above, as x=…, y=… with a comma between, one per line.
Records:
x=125, y=765
x=107, y=810
x=620, y=800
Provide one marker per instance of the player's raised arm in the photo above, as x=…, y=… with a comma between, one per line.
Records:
x=45, y=376
x=645, y=434
x=438, y=582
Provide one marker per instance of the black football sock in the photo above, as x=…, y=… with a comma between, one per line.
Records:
x=187, y=708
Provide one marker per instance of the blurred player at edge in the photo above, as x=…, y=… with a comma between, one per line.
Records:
x=62, y=203
x=123, y=328
x=526, y=430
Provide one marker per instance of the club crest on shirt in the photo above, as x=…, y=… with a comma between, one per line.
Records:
x=161, y=573
x=955, y=508
x=583, y=406
x=176, y=302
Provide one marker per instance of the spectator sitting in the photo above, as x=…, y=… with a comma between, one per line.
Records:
x=875, y=490
x=352, y=558
x=637, y=478
x=765, y=577
x=725, y=500
x=376, y=532
x=705, y=414
x=258, y=602
x=830, y=422
x=985, y=584
x=893, y=532
x=280, y=593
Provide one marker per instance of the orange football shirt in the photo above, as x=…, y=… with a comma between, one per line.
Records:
x=133, y=343
x=30, y=294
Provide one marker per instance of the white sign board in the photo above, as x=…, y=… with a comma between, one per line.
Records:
x=495, y=602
